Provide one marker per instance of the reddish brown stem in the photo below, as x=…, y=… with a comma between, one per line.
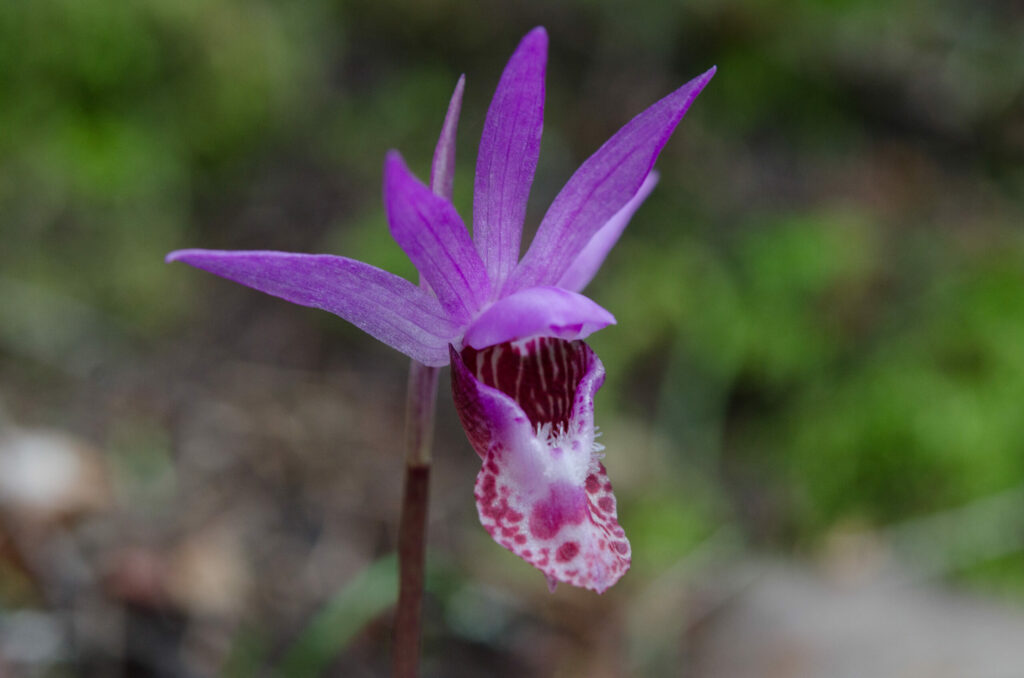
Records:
x=412, y=528
x=412, y=545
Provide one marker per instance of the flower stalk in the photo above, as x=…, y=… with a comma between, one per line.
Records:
x=412, y=526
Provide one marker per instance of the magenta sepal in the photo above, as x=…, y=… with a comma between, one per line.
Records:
x=586, y=264
x=430, y=231
x=543, y=493
x=383, y=305
x=601, y=187
x=507, y=158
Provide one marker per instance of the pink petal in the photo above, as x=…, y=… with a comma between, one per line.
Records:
x=586, y=265
x=537, y=312
x=508, y=155
x=442, y=170
x=528, y=410
x=600, y=188
x=381, y=304
x=430, y=231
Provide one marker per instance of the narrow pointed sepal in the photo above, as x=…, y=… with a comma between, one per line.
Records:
x=383, y=305
x=528, y=410
x=507, y=159
x=587, y=263
x=442, y=169
x=601, y=186
x=430, y=231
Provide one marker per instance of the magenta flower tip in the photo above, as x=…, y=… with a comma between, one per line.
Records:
x=704, y=78
x=538, y=35
x=393, y=163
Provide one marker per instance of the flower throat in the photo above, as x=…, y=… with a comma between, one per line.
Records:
x=540, y=374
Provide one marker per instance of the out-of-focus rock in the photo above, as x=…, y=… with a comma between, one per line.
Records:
x=30, y=639
x=137, y=575
x=202, y=574
x=47, y=477
x=207, y=574
x=790, y=623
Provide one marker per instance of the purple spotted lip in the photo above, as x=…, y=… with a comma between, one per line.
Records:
x=528, y=410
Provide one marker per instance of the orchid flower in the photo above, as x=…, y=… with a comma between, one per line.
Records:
x=522, y=379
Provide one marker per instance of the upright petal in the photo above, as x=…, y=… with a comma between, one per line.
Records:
x=585, y=266
x=528, y=410
x=442, y=170
x=508, y=154
x=430, y=231
x=381, y=304
x=601, y=187
x=537, y=312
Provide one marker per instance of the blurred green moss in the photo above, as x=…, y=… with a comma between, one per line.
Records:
x=112, y=112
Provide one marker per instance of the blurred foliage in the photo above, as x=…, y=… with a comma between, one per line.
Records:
x=861, y=393
x=116, y=114
x=366, y=597
x=821, y=307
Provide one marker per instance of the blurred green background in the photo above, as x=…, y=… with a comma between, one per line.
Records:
x=821, y=321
